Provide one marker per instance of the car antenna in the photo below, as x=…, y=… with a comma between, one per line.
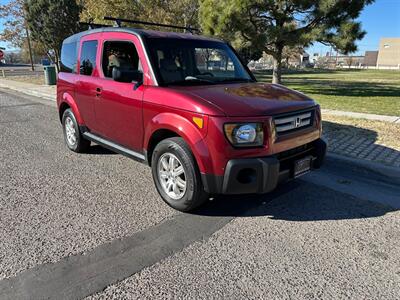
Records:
x=118, y=22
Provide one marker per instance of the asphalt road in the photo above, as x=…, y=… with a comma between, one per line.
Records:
x=74, y=225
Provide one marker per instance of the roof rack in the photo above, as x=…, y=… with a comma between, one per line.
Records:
x=118, y=22
x=93, y=25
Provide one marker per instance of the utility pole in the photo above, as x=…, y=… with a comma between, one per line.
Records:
x=30, y=48
x=28, y=39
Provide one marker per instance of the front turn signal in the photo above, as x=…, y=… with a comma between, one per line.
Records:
x=199, y=122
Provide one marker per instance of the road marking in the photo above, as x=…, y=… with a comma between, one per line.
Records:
x=79, y=276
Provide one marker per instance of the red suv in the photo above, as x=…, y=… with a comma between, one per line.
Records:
x=187, y=106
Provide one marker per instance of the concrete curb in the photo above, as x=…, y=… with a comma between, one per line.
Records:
x=387, y=171
x=29, y=92
x=356, y=115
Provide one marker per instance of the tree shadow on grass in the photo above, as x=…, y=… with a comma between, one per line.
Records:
x=266, y=75
x=328, y=86
x=296, y=71
x=344, y=88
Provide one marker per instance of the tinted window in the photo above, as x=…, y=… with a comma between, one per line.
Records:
x=69, y=58
x=119, y=54
x=88, y=58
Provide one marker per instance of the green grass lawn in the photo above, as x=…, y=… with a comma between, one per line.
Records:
x=368, y=91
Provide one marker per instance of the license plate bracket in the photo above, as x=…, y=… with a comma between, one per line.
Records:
x=302, y=166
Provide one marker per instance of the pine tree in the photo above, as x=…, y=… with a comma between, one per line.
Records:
x=272, y=25
x=52, y=21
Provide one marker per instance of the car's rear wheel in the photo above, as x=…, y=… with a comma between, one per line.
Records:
x=176, y=175
x=72, y=135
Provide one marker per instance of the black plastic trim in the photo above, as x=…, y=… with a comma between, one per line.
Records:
x=265, y=173
x=115, y=147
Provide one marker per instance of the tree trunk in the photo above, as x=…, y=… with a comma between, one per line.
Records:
x=29, y=47
x=277, y=71
x=57, y=62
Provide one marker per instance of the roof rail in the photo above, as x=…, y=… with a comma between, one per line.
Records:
x=93, y=25
x=118, y=22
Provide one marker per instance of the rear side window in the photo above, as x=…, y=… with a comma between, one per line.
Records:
x=88, y=58
x=69, y=57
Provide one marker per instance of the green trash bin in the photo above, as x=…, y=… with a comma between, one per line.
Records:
x=50, y=75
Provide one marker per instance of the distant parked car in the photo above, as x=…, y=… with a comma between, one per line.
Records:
x=144, y=94
x=2, y=60
x=46, y=62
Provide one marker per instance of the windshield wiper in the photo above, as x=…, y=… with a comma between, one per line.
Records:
x=191, y=81
x=235, y=80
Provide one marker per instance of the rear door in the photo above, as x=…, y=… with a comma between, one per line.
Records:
x=119, y=105
x=88, y=75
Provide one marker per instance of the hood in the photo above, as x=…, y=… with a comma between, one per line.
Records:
x=251, y=99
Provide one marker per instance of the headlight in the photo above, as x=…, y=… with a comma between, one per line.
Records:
x=245, y=134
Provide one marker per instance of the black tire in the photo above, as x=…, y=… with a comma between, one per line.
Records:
x=80, y=145
x=194, y=195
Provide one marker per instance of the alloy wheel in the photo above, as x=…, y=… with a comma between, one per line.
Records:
x=171, y=175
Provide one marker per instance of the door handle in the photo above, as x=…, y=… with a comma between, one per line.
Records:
x=98, y=92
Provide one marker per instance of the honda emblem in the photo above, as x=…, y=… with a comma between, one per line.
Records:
x=297, y=122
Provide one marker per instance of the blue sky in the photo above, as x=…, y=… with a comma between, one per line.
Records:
x=381, y=19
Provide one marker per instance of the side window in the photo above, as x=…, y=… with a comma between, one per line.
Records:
x=88, y=58
x=119, y=54
x=69, y=57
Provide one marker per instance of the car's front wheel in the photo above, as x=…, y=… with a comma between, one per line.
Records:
x=176, y=175
x=72, y=135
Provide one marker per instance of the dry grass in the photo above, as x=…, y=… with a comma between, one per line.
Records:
x=37, y=79
x=383, y=133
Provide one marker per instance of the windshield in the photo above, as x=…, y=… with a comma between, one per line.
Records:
x=194, y=62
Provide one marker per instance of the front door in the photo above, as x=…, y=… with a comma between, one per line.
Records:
x=118, y=105
x=87, y=80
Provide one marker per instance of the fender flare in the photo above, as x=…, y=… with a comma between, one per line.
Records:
x=185, y=129
x=70, y=101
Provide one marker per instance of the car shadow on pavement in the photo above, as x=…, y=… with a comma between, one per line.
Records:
x=99, y=150
x=296, y=201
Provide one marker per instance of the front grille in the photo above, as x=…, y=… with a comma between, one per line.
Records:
x=288, y=154
x=288, y=157
x=292, y=122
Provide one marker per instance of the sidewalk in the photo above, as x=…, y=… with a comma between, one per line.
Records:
x=355, y=115
x=347, y=141
x=41, y=91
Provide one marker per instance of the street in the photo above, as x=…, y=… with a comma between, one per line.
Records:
x=77, y=225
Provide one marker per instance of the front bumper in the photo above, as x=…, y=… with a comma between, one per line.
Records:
x=262, y=175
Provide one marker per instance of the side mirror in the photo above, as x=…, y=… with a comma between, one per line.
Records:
x=127, y=75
